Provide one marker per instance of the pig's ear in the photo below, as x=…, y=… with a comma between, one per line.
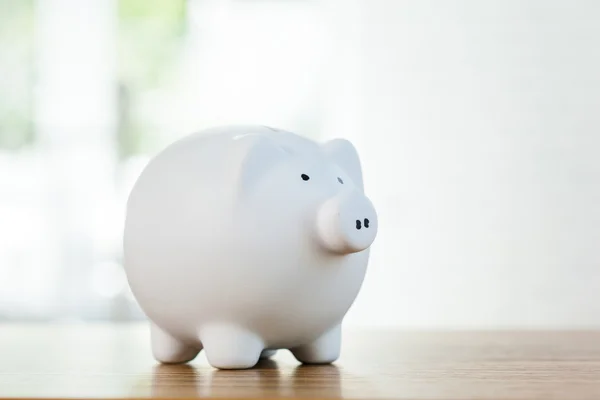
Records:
x=255, y=155
x=343, y=153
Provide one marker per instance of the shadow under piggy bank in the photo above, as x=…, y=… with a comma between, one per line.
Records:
x=266, y=379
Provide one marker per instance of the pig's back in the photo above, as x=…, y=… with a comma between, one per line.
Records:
x=196, y=167
x=179, y=213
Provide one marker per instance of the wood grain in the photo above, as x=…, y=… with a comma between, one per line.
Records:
x=114, y=361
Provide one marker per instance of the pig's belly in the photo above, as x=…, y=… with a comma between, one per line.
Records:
x=293, y=326
x=285, y=307
x=281, y=322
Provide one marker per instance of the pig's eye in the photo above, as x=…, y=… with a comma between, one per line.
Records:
x=304, y=177
x=340, y=180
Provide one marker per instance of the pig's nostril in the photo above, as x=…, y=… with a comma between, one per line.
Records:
x=358, y=224
x=366, y=222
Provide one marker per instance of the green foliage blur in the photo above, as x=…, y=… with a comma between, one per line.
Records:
x=148, y=37
x=16, y=74
x=150, y=33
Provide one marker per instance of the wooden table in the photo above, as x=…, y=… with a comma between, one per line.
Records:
x=114, y=361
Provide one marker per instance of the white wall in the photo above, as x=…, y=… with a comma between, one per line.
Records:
x=481, y=146
x=478, y=122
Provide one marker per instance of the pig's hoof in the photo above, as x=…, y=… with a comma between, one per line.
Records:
x=267, y=354
x=324, y=350
x=169, y=350
x=231, y=347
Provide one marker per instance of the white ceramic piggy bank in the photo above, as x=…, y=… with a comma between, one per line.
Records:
x=243, y=240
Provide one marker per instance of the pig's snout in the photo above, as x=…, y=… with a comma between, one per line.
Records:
x=347, y=223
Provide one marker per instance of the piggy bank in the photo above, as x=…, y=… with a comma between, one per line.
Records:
x=243, y=240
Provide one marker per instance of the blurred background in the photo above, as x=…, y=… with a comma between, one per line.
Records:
x=478, y=123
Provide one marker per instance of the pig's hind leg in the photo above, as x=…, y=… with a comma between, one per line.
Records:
x=169, y=350
x=324, y=350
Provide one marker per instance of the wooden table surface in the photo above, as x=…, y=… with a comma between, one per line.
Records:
x=114, y=361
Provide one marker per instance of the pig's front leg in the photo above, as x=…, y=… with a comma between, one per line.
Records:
x=230, y=346
x=323, y=350
x=169, y=350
